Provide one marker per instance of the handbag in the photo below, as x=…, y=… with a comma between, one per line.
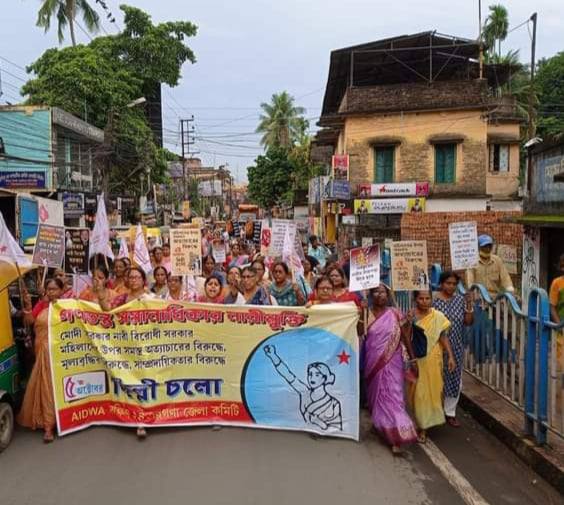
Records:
x=418, y=341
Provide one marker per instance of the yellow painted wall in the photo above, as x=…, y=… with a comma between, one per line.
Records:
x=414, y=153
x=505, y=183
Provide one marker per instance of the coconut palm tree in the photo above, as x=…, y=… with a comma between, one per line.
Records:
x=496, y=27
x=281, y=122
x=65, y=11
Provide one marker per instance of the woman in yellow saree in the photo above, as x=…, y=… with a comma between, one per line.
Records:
x=427, y=392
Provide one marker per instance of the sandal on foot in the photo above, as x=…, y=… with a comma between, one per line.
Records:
x=141, y=433
x=396, y=450
x=452, y=421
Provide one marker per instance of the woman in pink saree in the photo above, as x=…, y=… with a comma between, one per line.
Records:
x=384, y=371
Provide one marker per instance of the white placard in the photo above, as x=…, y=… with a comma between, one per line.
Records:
x=281, y=230
x=463, y=238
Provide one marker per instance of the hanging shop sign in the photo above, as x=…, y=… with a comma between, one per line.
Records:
x=393, y=189
x=389, y=206
x=22, y=180
x=73, y=203
x=340, y=165
x=337, y=189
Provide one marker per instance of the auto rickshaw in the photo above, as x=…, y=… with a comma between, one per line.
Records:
x=10, y=368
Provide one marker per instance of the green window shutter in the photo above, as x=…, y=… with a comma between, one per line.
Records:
x=384, y=164
x=445, y=163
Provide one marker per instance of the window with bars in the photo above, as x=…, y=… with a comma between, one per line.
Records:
x=445, y=163
x=499, y=157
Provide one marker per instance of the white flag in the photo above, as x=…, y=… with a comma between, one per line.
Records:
x=100, y=236
x=123, y=249
x=10, y=250
x=141, y=253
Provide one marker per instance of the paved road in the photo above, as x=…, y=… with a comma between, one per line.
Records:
x=247, y=467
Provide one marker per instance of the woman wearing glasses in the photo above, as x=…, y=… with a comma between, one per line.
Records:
x=137, y=279
x=252, y=292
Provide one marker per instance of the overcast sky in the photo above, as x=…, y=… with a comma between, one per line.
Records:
x=250, y=49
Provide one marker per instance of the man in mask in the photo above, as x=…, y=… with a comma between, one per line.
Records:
x=491, y=271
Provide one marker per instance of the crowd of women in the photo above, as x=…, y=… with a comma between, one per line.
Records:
x=411, y=362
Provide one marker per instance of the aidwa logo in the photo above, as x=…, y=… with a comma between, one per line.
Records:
x=84, y=385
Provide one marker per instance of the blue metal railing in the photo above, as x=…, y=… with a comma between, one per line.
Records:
x=516, y=352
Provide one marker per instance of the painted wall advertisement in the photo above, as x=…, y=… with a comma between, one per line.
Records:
x=508, y=255
x=155, y=363
x=49, y=247
x=389, y=206
x=365, y=268
x=185, y=251
x=77, y=241
x=463, y=238
x=409, y=265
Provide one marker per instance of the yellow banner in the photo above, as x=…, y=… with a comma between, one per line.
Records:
x=158, y=363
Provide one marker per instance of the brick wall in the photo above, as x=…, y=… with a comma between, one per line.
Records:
x=415, y=96
x=433, y=227
x=415, y=162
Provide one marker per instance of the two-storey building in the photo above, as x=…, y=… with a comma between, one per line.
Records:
x=419, y=109
x=48, y=151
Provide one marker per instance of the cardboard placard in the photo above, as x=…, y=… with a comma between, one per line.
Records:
x=365, y=268
x=463, y=238
x=49, y=247
x=77, y=242
x=218, y=251
x=185, y=251
x=409, y=265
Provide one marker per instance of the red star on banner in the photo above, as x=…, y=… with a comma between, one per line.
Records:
x=344, y=357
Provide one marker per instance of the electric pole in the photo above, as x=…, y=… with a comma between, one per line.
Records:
x=532, y=129
x=186, y=140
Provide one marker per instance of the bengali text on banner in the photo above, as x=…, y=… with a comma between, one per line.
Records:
x=157, y=363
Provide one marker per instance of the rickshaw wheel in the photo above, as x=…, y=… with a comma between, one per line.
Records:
x=6, y=425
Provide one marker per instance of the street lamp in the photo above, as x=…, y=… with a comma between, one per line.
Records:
x=138, y=101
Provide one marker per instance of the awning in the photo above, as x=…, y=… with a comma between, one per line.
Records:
x=543, y=221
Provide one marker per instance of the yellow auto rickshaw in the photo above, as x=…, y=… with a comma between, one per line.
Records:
x=10, y=367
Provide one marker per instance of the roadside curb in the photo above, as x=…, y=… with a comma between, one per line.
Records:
x=505, y=421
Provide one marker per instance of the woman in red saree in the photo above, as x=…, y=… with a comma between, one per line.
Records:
x=384, y=371
x=38, y=408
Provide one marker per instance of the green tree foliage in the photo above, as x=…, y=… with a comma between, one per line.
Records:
x=97, y=81
x=550, y=86
x=269, y=181
x=65, y=12
x=154, y=53
x=83, y=82
x=496, y=28
x=288, y=144
x=281, y=121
